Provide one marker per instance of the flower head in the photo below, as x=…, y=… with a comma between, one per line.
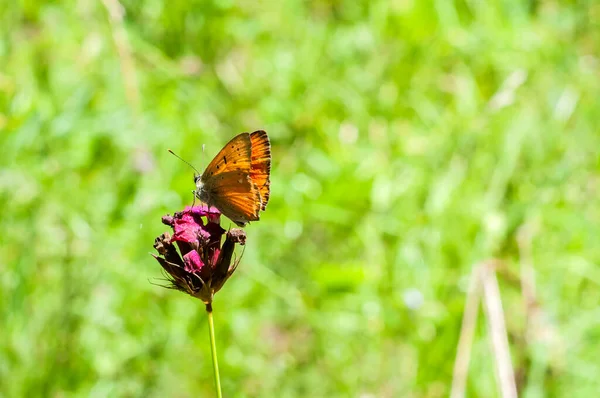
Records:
x=193, y=256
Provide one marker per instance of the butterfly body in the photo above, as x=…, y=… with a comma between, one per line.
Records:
x=237, y=180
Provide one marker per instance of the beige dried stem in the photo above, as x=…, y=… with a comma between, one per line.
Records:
x=484, y=284
x=465, y=342
x=116, y=13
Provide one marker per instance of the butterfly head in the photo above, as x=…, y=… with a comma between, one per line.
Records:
x=201, y=192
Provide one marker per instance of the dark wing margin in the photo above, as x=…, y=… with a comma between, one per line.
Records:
x=260, y=169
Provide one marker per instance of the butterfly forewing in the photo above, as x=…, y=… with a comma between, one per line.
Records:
x=260, y=168
x=236, y=155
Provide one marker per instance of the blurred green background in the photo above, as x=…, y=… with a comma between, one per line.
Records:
x=411, y=140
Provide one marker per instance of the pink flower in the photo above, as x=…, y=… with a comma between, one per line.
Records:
x=193, y=257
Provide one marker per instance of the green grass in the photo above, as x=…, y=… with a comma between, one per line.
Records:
x=411, y=140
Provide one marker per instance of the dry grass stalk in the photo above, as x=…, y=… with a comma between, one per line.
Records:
x=484, y=284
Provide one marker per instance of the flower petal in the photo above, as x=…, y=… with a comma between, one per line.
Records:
x=203, y=211
x=186, y=227
x=193, y=262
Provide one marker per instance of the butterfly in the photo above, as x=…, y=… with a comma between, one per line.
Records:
x=237, y=181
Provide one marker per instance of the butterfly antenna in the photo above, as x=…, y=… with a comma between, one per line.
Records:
x=184, y=161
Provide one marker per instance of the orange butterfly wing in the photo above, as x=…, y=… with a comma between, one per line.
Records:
x=260, y=169
x=227, y=181
x=236, y=197
x=235, y=156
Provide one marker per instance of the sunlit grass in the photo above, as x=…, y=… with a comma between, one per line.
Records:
x=411, y=140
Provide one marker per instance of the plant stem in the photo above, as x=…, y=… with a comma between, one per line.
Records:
x=213, y=349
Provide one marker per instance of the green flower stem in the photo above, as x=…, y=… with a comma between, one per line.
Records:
x=213, y=349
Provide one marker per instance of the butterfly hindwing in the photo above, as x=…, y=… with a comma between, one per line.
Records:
x=236, y=196
x=260, y=168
